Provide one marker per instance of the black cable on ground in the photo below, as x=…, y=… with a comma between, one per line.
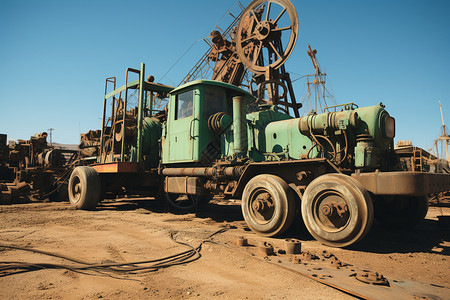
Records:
x=193, y=254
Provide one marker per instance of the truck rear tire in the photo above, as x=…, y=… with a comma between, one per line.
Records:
x=337, y=210
x=84, y=188
x=268, y=205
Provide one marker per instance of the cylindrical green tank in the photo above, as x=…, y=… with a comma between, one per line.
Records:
x=375, y=121
x=372, y=120
x=151, y=134
x=329, y=120
x=370, y=131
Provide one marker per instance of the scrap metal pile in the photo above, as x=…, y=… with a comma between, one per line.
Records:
x=32, y=168
x=416, y=159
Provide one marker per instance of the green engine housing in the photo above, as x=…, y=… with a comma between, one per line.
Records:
x=367, y=133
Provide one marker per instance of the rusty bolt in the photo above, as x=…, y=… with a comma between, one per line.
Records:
x=341, y=209
x=266, y=248
x=241, y=241
x=372, y=278
x=293, y=246
x=301, y=175
x=327, y=254
x=327, y=210
x=258, y=205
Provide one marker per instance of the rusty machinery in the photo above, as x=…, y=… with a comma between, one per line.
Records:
x=338, y=169
x=260, y=43
x=33, y=168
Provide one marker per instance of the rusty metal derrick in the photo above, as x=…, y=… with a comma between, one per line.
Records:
x=257, y=47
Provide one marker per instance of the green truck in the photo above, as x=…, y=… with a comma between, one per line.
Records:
x=338, y=169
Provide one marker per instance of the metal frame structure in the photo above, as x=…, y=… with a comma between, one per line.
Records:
x=145, y=88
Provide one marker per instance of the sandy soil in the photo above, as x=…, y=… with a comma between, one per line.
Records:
x=139, y=229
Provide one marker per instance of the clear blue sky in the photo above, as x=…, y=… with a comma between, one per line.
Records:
x=55, y=56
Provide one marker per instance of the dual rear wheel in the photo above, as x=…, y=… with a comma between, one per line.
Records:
x=336, y=208
x=268, y=205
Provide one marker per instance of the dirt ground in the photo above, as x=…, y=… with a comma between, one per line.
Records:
x=139, y=229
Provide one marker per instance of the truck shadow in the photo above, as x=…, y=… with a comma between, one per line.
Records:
x=220, y=211
x=131, y=204
x=428, y=236
x=216, y=210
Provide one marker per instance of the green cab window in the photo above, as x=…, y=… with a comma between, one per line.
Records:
x=213, y=101
x=184, y=104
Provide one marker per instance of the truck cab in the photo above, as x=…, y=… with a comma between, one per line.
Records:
x=187, y=138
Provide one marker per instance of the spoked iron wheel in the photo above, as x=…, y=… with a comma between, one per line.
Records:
x=265, y=27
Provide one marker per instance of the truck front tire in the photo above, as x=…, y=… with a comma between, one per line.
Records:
x=84, y=188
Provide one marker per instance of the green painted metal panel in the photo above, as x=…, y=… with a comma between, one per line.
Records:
x=285, y=137
x=213, y=100
x=151, y=133
x=372, y=121
x=140, y=113
x=181, y=127
x=256, y=126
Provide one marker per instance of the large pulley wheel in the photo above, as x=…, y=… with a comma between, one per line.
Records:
x=400, y=211
x=337, y=210
x=84, y=188
x=266, y=34
x=268, y=205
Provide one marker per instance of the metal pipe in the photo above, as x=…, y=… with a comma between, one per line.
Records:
x=102, y=135
x=122, y=150
x=140, y=112
x=318, y=123
x=113, y=117
x=103, y=131
x=122, y=147
x=187, y=171
x=239, y=126
x=232, y=172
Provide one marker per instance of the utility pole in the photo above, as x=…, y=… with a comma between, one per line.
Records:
x=51, y=130
x=444, y=135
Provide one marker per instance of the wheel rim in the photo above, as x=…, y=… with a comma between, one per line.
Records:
x=261, y=206
x=76, y=189
x=326, y=197
x=330, y=211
